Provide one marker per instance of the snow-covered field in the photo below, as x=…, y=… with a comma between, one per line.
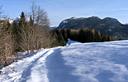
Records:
x=76, y=62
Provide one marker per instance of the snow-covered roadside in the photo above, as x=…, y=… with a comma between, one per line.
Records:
x=30, y=69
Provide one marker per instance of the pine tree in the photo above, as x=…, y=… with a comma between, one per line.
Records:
x=22, y=21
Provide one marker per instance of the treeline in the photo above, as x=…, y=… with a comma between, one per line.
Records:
x=29, y=35
x=23, y=34
x=81, y=35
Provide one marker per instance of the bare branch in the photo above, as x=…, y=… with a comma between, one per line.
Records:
x=39, y=16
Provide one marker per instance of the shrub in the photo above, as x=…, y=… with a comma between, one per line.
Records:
x=7, y=53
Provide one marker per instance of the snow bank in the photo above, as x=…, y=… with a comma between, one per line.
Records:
x=71, y=42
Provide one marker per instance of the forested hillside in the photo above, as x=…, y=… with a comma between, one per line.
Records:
x=107, y=26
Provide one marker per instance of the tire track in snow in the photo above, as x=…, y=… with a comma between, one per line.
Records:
x=27, y=72
x=39, y=71
x=30, y=69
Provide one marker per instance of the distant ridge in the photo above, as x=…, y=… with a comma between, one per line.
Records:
x=109, y=26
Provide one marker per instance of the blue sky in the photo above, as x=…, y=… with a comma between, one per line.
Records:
x=61, y=9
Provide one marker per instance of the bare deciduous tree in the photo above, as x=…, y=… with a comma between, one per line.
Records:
x=34, y=38
x=39, y=16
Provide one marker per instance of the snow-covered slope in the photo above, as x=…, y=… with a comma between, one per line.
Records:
x=76, y=62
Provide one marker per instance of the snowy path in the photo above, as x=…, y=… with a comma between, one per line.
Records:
x=31, y=69
x=77, y=62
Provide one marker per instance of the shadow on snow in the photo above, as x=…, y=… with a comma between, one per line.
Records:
x=57, y=70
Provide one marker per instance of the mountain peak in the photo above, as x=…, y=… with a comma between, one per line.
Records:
x=111, y=20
